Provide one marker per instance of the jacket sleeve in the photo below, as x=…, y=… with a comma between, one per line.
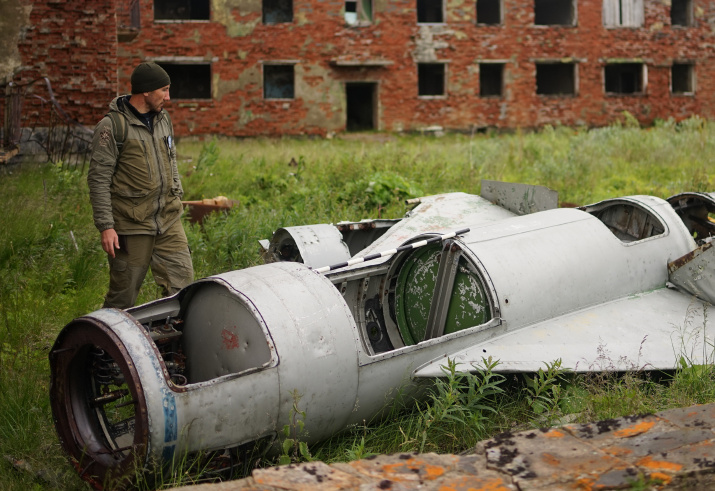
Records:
x=102, y=164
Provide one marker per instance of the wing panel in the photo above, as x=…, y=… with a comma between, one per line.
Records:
x=647, y=331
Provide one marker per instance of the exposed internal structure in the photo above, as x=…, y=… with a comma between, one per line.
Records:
x=627, y=221
x=97, y=401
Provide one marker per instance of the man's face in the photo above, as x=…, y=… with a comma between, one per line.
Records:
x=156, y=98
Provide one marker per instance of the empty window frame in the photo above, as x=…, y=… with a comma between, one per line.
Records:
x=681, y=12
x=682, y=78
x=624, y=78
x=555, y=78
x=277, y=11
x=189, y=80
x=430, y=12
x=182, y=10
x=491, y=79
x=623, y=13
x=554, y=13
x=489, y=12
x=278, y=81
x=431, y=79
x=358, y=12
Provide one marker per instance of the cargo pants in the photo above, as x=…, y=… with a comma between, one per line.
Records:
x=168, y=256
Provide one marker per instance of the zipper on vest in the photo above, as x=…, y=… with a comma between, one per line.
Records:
x=161, y=180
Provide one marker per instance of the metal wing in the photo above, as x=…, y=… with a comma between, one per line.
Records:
x=649, y=331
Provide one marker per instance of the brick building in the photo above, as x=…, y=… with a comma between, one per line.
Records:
x=265, y=67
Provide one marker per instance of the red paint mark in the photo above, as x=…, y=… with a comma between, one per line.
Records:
x=230, y=340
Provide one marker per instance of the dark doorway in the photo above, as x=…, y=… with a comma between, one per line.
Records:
x=361, y=105
x=624, y=78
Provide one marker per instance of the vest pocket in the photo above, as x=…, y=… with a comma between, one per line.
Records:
x=136, y=209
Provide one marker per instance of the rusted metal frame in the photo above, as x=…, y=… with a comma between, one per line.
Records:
x=444, y=285
x=13, y=110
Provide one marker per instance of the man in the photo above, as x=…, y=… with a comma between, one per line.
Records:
x=135, y=191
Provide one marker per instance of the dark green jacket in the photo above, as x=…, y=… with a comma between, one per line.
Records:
x=137, y=190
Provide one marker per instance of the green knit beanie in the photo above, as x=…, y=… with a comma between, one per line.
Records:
x=149, y=76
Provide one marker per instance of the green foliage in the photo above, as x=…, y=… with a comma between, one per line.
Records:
x=458, y=407
x=292, y=448
x=544, y=393
x=386, y=187
x=208, y=156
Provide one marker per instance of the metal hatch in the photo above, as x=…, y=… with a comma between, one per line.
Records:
x=434, y=291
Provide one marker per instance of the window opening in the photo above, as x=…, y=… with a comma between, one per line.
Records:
x=430, y=12
x=189, y=80
x=358, y=12
x=182, y=10
x=623, y=13
x=278, y=82
x=554, y=12
x=627, y=222
x=681, y=78
x=489, y=12
x=556, y=78
x=361, y=101
x=277, y=11
x=681, y=12
x=430, y=79
x=624, y=78
x=491, y=79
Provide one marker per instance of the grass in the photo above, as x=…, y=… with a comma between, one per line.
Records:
x=52, y=268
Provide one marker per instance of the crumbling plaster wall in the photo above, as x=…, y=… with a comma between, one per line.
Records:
x=386, y=52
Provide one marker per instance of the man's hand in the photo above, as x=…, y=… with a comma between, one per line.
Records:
x=110, y=241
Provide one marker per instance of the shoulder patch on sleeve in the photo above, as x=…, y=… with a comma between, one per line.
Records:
x=105, y=136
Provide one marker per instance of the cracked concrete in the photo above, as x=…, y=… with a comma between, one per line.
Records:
x=674, y=449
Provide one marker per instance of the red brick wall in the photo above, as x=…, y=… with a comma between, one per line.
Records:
x=74, y=44
x=238, y=43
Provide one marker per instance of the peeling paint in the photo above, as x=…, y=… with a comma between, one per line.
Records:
x=240, y=17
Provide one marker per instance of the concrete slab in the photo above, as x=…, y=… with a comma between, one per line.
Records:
x=674, y=449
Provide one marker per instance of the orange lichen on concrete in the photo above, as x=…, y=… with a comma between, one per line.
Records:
x=474, y=483
x=663, y=465
x=554, y=434
x=634, y=430
x=616, y=451
x=661, y=477
x=550, y=459
x=416, y=468
x=585, y=484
